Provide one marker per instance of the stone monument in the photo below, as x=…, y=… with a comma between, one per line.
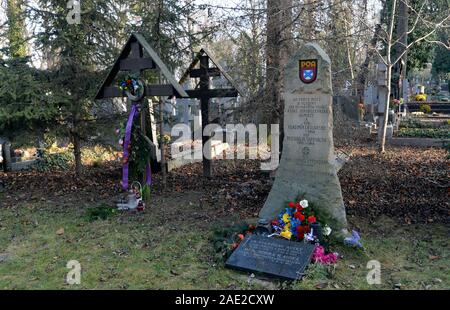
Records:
x=307, y=162
x=5, y=154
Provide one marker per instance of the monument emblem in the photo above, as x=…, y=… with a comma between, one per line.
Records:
x=305, y=151
x=308, y=70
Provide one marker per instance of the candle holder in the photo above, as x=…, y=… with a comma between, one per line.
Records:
x=263, y=227
x=317, y=230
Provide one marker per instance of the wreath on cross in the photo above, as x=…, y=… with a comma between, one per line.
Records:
x=133, y=87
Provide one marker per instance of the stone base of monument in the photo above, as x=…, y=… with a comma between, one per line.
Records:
x=23, y=165
x=272, y=256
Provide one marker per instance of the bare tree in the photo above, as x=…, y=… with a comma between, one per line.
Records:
x=434, y=22
x=279, y=33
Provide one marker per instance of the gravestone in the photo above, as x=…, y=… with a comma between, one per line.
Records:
x=5, y=154
x=275, y=257
x=1, y=151
x=307, y=162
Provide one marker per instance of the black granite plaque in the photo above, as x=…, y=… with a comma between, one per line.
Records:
x=275, y=257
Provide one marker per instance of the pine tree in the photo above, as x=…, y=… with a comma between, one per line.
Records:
x=78, y=50
x=16, y=28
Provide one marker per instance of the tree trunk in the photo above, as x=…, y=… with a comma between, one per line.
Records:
x=386, y=110
x=272, y=60
x=279, y=41
x=77, y=154
x=388, y=76
x=161, y=100
x=162, y=144
x=364, y=72
x=402, y=34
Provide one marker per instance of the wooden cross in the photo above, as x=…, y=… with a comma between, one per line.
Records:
x=136, y=57
x=204, y=92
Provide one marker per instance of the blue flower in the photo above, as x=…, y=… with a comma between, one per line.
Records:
x=294, y=224
x=276, y=228
x=354, y=240
x=289, y=211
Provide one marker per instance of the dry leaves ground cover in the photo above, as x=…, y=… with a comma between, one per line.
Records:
x=398, y=201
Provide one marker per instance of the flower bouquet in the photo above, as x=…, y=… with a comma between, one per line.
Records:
x=299, y=223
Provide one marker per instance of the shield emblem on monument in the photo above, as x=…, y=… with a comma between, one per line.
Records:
x=308, y=70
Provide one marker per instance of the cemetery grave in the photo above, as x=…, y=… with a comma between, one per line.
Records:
x=154, y=249
x=273, y=145
x=409, y=123
x=308, y=152
x=422, y=131
x=184, y=233
x=437, y=128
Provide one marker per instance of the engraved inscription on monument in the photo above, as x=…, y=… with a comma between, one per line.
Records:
x=277, y=257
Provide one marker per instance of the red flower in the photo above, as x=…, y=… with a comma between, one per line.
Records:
x=274, y=222
x=307, y=228
x=128, y=82
x=291, y=204
x=241, y=236
x=300, y=232
x=312, y=219
x=299, y=216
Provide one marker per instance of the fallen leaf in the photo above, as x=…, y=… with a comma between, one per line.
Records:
x=60, y=231
x=321, y=285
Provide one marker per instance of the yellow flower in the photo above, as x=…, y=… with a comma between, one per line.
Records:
x=287, y=226
x=286, y=234
x=286, y=218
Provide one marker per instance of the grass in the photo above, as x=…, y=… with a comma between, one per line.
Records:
x=149, y=251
